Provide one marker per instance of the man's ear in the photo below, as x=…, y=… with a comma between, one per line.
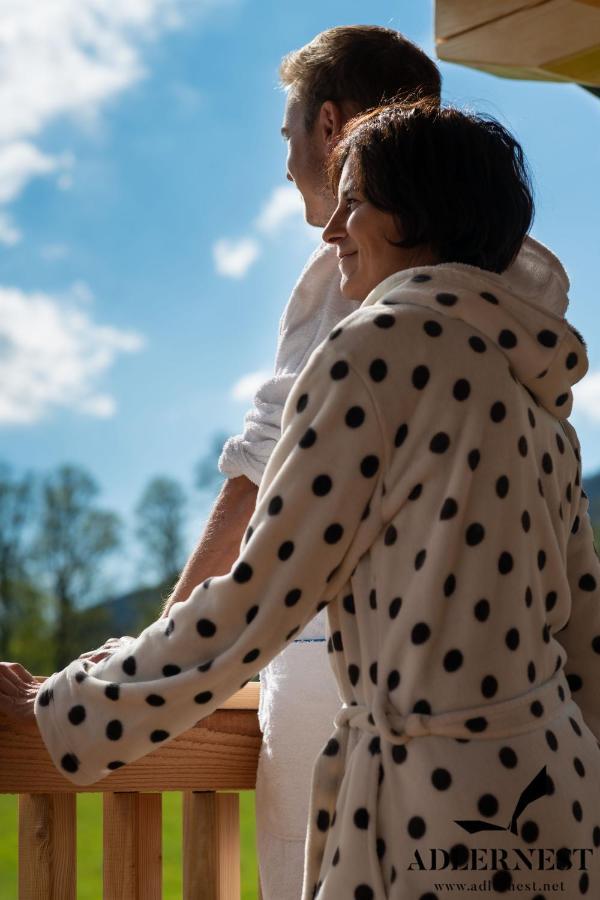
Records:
x=330, y=122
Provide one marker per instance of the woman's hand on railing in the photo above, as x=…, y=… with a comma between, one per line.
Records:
x=18, y=690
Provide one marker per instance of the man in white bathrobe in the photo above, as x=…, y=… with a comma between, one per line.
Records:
x=341, y=72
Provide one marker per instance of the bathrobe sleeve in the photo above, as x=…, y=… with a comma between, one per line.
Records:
x=314, y=307
x=299, y=548
x=581, y=635
x=248, y=453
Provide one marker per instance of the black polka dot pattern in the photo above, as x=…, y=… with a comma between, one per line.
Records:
x=425, y=494
x=206, y=628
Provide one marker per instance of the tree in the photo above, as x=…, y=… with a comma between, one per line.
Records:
x=16, y=504
x=160, y=514
x=73, y=540
x=31, y=640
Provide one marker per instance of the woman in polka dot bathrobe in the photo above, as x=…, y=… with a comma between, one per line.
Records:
x=426, y=489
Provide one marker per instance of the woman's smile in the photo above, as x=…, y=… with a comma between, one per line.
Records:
x=345, y=257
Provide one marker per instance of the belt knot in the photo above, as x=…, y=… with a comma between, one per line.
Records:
x=507, y=718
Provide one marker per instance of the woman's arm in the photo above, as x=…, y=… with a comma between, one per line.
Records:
x=316, y=514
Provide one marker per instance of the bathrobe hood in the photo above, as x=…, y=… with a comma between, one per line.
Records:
x=522, y=311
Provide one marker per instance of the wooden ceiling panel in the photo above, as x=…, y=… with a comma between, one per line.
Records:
x=548, y=39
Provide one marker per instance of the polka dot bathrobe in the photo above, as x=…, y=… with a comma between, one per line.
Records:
x=426, y=489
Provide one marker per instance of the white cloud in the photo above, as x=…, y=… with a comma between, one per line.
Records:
x=58, y=59
x=586, y=396
x=246, y=387
x=68, y=58
x=234, y=258
x=21, y=161
x=187, y=97
x=283, y=207
x=99, y=405
x=9, y=233
x=51, y=355
x=80, y=292
x=64, y=182
x=285, y=203
x=53, y=252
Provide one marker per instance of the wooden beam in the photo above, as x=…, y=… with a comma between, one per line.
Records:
x=219, y=753
x=47, y=847
x=537, y=39
x=132, y=855
x=211, y=846
x=452, y=17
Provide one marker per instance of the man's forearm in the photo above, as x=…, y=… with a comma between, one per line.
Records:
x=219, y=546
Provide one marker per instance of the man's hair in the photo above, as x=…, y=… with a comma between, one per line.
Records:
x=363, y=65
x=453, y=180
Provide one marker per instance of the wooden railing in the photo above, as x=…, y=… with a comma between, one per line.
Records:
x=219, y=754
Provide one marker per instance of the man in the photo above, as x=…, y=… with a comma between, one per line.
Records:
x=340, y=73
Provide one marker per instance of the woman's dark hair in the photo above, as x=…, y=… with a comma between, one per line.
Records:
x=362, y=65
x=453, y=180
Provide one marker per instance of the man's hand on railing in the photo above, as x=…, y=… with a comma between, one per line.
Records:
x=107, y=649
x=18, y=690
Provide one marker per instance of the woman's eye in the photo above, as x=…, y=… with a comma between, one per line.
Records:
x=350, y=202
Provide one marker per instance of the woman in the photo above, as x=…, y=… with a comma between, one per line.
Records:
x=427, y=490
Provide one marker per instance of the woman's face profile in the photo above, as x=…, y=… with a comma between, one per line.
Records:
x=362, y=234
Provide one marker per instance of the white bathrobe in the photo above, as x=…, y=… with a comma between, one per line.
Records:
x=425, y=491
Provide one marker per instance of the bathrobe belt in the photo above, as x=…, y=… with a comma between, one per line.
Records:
x=508, y=718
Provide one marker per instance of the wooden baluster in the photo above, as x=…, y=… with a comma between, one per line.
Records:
x=132, y=846
x=47, y=846
x=211, y=846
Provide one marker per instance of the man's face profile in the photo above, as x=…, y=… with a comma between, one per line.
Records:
x=306, y=156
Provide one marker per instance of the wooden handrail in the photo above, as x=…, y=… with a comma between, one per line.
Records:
x=220, y=753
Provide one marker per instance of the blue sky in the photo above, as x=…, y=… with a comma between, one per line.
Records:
x=149, y=240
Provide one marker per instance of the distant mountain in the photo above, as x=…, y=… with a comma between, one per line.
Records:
x=128, y=613
x=591, y=486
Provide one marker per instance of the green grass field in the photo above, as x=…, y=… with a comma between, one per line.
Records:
x=89, y=846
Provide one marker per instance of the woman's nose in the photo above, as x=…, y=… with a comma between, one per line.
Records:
x=335, y=230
